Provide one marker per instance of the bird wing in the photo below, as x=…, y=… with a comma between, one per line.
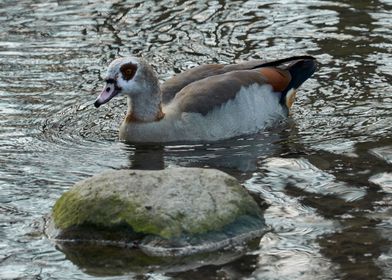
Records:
x=204, y=95
x=175, y=84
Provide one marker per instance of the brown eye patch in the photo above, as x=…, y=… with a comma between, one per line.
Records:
x=128, y=71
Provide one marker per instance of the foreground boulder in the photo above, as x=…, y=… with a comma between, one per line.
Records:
x=177, y=211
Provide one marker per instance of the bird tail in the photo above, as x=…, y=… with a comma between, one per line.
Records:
x=300, y=68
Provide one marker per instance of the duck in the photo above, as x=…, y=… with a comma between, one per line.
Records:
x=209, y=102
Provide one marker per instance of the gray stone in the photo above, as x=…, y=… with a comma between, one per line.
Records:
x=176, y=211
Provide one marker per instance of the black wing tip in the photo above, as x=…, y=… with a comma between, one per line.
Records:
x=285, y=60
x=302, y=57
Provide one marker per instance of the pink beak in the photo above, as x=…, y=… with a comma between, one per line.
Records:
x=108, y=92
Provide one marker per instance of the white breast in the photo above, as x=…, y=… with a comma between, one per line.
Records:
x=254, y=108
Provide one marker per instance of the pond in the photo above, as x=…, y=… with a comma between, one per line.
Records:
x=324, y=175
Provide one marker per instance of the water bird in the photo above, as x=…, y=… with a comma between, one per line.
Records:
x=205, y=103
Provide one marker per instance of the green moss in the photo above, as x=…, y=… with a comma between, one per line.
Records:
x=247, y=204
x=77, y=208
x=233, y=184
x=73, y=210
x=212, y=222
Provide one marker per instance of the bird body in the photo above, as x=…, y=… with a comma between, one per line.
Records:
x=225, y=121
x=205, y=103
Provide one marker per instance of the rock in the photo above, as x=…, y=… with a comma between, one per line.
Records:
x=176, y=211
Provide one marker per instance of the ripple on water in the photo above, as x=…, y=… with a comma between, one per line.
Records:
x=384, y=153
x=292, y=245
x=300, y=173
x=383, y=214
x=295, y=262
x=384, y=180
x=82, y=122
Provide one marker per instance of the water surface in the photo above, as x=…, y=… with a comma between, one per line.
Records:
x=325, y=174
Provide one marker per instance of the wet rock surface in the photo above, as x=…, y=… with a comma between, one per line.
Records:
x=177, y=211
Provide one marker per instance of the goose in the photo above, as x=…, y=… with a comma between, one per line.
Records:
x=206, y=103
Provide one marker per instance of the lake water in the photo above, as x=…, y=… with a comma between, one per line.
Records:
x=325, y=173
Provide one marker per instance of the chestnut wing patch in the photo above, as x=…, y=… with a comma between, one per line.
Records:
x=279, y=79
x=128, y=71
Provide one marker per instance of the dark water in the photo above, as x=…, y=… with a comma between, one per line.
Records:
x=325, y=174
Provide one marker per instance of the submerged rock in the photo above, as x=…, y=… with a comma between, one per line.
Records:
x=177, y=211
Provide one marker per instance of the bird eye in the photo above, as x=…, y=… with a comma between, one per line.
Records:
x=107, y=88
x=128, y=71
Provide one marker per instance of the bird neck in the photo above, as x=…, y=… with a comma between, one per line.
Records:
x=145, y=107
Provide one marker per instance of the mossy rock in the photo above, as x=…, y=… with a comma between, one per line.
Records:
x=179, y=205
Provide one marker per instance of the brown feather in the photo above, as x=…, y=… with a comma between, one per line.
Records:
x=279, y=79
x=175, y=84
x=276, y=72
x=131, y=118
x=204, y=95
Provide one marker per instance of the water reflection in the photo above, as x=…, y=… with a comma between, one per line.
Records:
x=112, y=261
x=234, y=156
x=147, y=157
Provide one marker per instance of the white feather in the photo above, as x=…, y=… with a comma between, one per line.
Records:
x=254, y=108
